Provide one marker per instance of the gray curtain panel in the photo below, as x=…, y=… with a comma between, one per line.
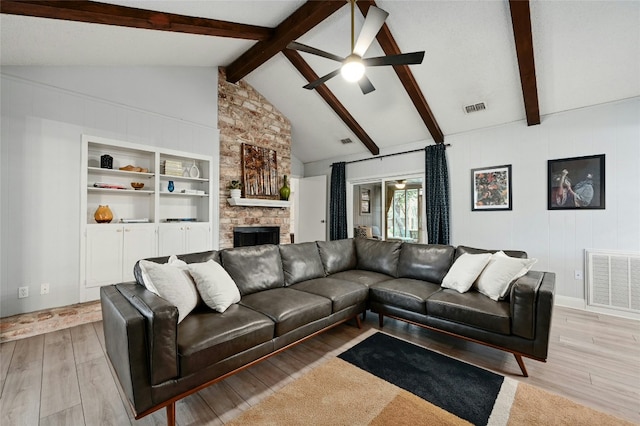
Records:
x=437, y=199
x=338, y=202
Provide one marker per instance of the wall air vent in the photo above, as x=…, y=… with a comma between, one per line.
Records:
x=346, y=141
x=480, y=106
x=613, y=281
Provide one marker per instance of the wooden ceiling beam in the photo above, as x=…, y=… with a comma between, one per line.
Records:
x=110, y=14
x=521, y=21
x=298, y=23
x=301, y=65
x=390, y=47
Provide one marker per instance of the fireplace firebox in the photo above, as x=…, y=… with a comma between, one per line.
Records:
x=255, y=235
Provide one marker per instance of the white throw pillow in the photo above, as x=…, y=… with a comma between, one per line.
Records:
x=215, y=285
x=464, y=271
x=172, y=284
x=497, y=277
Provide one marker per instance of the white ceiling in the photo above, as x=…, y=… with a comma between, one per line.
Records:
x=586, y=53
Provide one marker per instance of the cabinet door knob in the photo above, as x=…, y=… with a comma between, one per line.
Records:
x=118, y=230
x=127, y=230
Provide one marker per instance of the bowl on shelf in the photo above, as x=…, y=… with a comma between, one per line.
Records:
x=137, y=185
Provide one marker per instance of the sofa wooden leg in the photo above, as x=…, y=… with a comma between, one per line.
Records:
x=380, y=320
x=358, y=323
x=520, y=362
x=364, y=315
x=171, y=414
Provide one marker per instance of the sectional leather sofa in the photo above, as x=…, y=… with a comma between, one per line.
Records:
x=290, y=293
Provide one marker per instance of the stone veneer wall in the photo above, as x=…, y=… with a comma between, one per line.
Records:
x=245, y=116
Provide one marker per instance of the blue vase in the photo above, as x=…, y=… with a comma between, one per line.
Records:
x=170, y=187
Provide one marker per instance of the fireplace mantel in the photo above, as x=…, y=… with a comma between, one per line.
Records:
x=256, y=202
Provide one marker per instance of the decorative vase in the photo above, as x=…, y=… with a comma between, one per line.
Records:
x=106, y=161
x=103, y=214
x=285, y=191
x=170, y=187
x=235, y=193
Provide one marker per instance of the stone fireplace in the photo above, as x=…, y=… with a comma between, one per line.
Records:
x=245, y=116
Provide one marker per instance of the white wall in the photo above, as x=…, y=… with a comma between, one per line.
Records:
x=556, y=238
x=45, y=110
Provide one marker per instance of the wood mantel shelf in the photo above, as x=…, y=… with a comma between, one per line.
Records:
x=257, y=202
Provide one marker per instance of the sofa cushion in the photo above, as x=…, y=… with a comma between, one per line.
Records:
x=464, y=271
x=188, y=258
x=404, y=293
x=365, y=278
x=254, y=268
x=237, y=329
x=427, y=262
x=216, y=287
x=460, y=250
x=472, y=309
x=288, y=308
x=337, y=255
x=342, y=294
x=300, y=262
x=378, y=256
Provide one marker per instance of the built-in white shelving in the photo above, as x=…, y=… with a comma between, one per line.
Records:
x=109, y=251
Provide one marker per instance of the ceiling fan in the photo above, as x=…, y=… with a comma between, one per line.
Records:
x=353, y=66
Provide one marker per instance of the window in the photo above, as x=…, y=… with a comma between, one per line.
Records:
x=404, y=210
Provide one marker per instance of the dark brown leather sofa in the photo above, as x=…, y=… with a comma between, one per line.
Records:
x=290, y=293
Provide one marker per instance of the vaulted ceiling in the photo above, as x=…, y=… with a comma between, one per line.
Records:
x=524, y=60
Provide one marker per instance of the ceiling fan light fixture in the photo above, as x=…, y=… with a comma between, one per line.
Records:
x=353, y=69
x=401, y=184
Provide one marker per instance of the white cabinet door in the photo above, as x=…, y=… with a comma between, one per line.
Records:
x=311, y=209
x=171, y=239
x=140, y=242
x=104, y=255
x=197, y=237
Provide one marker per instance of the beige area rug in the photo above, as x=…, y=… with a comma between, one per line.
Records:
x=339, y=393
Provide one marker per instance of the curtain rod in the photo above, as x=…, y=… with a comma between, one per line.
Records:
x=380, y=157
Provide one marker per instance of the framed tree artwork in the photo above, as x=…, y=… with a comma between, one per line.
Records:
x=491, y=188
x=260, y=172
x=576, y=183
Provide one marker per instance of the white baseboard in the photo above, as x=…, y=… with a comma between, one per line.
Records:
x=571, y=302
x=575, y=303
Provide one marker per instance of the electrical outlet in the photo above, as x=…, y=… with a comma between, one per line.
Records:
x=23, y=292
x=44, y=288
x=577, y=274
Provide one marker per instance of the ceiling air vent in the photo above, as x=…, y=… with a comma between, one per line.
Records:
x=346, y=141
x=480, y=106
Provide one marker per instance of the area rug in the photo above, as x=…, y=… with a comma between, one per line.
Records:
x=387, y=381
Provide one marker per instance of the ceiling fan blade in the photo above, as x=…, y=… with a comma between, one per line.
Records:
x=322, y=80
x=294, y=45
x=372, y=24
x=401, y=59
x=365, y=85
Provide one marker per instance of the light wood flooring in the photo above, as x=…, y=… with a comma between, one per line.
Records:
x=64, y=378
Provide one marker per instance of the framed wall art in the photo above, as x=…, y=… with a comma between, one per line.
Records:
x=491, y=188
x=576, y=183
x=365, y=201
x=260, y=172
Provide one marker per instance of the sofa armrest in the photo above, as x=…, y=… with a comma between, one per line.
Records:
x=124, y=329
x=532, y=303
x=161, y=320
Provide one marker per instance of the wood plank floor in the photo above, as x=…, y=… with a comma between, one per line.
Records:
x=64, y=377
